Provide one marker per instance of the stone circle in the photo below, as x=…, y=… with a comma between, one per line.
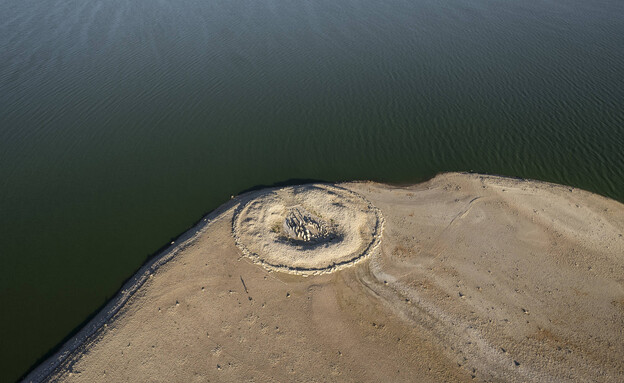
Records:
x=307, y=229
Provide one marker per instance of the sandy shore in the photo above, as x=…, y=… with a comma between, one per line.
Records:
x=474, y=278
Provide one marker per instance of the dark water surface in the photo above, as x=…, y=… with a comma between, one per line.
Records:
x=122, y=122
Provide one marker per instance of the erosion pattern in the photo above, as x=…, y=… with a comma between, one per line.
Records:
x=309, y=229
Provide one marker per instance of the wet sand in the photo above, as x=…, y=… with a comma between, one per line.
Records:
x=475, y=278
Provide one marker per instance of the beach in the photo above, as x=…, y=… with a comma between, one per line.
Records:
x=465, y=277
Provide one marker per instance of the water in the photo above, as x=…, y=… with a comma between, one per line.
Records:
x=122, y=122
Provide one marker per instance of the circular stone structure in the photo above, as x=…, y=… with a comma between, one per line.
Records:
x=307, y=229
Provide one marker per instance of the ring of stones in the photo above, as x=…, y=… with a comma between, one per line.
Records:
x=308, y=229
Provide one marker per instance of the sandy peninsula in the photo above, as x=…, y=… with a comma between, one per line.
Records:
x=462, y=278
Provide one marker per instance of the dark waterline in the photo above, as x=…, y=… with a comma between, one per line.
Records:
x=121, y=122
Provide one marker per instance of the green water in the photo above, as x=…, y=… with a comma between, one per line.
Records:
x=122, y=122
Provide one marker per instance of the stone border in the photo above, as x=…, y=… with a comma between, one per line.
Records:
x=306, y=271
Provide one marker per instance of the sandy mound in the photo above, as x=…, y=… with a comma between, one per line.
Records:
x=309, y=229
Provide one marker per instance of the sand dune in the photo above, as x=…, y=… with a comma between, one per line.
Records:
x=462, y=278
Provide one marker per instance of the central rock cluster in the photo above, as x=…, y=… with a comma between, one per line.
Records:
x=301, y=225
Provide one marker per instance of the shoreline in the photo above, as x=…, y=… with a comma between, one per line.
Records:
x=91, y=333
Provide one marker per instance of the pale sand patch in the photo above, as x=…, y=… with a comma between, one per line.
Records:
x=475, y=278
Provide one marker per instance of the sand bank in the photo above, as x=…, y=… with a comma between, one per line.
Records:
x=462, y=278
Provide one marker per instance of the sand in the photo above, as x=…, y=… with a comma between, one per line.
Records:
x=461, y=278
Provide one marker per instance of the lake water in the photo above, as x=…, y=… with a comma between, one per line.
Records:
x=122, y=122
